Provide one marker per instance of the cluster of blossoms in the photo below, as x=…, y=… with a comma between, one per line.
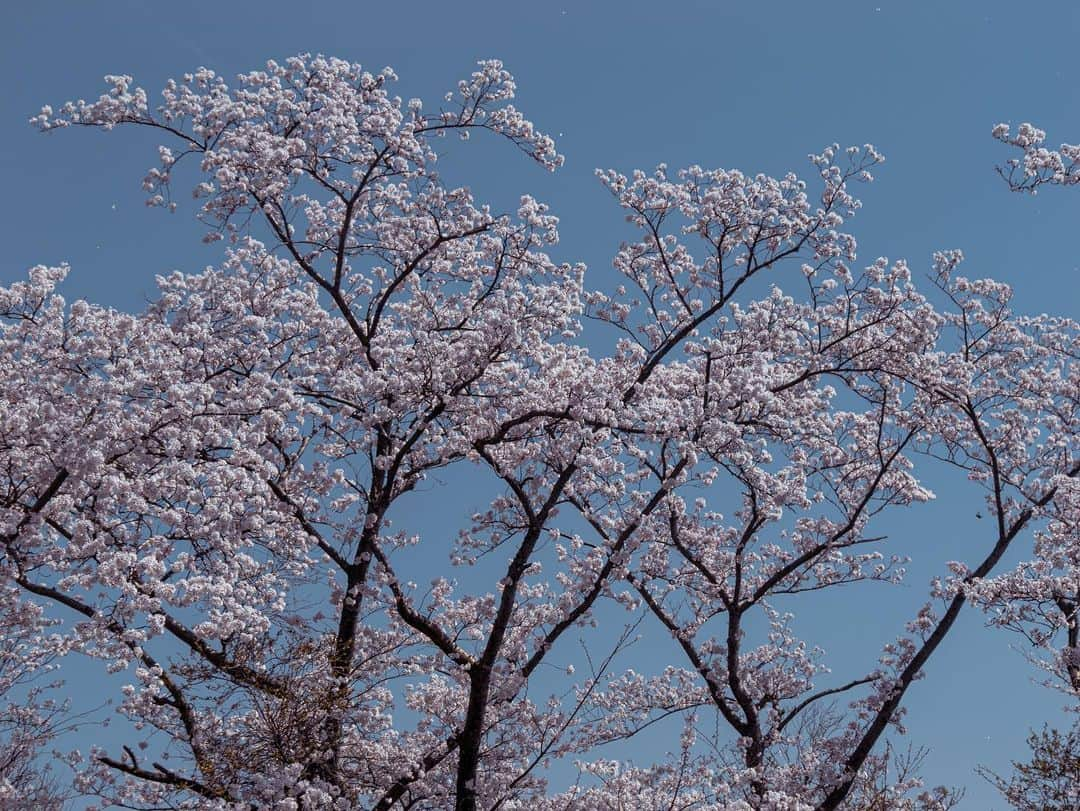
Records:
x=1037, y=165
x=204, y=493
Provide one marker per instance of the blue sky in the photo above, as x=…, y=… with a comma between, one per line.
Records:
x=749, y=85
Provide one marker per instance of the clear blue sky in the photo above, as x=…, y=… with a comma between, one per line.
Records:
x=751, y=85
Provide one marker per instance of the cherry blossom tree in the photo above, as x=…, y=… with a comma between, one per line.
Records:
x=1040, y=597
x=31, y=714
x=205, y=493
x=1050, y=780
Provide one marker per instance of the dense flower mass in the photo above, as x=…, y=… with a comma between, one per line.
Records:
x=203, y=495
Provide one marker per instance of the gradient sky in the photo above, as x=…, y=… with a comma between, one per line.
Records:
x=748, y=85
